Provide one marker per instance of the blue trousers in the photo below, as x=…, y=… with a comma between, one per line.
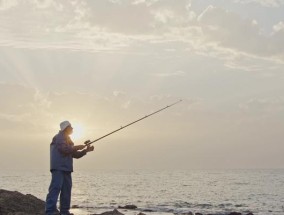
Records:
x=61, y=183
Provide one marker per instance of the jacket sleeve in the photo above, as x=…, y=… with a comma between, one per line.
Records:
x=79, y=154
x=64, y=147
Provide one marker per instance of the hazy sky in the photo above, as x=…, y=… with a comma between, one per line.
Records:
x=104, y=63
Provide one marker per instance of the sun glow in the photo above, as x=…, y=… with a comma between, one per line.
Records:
x=78, y=131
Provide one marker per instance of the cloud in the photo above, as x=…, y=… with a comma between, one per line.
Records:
x=54, y=25
x=118, y=93
x=147, y=2
x=112, y=17
x=126, y=104
x=271, y=105
x=229, y=30
x=241, y=66
x=25, y=109
x=101, y=26
x=14, y=117
x=278, y=27
x=122, y=98
x=164, y=16
x=242, y=36
x=85, y=25
x=277, y=44
x=264, y=3
x=251, y=63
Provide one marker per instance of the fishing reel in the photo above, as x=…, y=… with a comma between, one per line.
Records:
x=87, y=142
x=88, y=145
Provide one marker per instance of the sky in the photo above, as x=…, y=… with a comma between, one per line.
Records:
x=103, y=63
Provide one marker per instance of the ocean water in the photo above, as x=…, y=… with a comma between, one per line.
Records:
x=163, y=192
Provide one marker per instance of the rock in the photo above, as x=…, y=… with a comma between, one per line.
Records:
x=250, y=213
x=141, y=213
x=198, y=214
x=187, y=213
x=15, y=203
x=184, y=213
x=148, y=210
x=235, y=213
x=114, y=212
x=18, y=213
x=129, y=207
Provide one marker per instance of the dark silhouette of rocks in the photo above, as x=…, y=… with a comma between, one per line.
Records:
x=15, y=203
x=232, y=213
x=184, y=213
x=188, y=213
x=114, y=212
x=129, y=207
x=147, y=210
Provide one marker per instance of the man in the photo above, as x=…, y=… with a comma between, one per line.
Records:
x=62, y=152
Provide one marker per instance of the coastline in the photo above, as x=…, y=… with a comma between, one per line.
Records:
x=16, y=203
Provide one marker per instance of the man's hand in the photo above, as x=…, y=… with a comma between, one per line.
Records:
x=90, y=148
x=79, y=147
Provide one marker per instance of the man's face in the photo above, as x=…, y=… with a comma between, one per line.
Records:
x=68, y=130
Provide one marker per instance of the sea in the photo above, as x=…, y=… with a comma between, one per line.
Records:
x=163, y=191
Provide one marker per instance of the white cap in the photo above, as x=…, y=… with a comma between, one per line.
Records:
x=64, y=125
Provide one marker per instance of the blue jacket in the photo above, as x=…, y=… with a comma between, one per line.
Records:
x=62, y=153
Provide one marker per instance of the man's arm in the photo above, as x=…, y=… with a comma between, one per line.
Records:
x=68, y=149
x=78, y=154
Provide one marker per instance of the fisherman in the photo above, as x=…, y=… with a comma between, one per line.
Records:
x=62, y=152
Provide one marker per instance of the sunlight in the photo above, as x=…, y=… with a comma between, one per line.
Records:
x=78, y=131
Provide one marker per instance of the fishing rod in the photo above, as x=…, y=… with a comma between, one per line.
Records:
x=88, y=142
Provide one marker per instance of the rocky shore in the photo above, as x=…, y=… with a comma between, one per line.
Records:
x=16, y=203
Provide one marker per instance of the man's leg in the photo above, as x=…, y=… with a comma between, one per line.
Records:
x=54, y=190
x=65, y=195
